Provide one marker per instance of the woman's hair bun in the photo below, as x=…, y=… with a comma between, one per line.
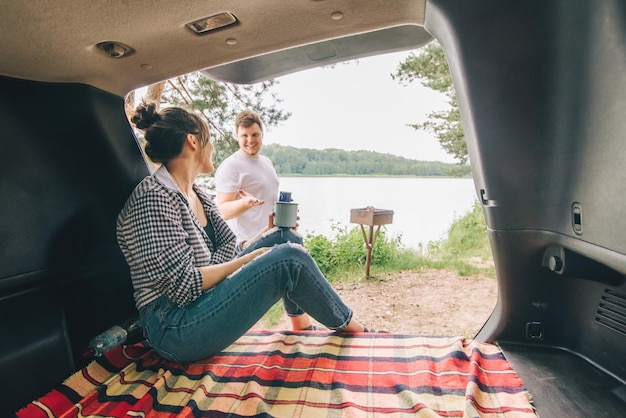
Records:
x=145, y=115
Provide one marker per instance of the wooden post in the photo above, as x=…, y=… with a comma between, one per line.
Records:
x=370, y=240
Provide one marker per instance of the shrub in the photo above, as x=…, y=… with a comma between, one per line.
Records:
x=346, y=254
x=466, y=241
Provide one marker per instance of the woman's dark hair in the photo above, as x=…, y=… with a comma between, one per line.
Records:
x=165, y=131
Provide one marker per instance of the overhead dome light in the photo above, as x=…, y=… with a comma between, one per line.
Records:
x=115, y=49
x=211, y=23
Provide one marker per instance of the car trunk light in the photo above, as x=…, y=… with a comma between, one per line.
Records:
x=211, y=23
x=115, y=49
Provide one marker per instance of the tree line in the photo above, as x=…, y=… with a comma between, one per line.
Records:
x=332, y=162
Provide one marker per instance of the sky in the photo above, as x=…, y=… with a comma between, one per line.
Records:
x=358, y=106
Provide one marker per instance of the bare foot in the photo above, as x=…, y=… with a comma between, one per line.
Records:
x=301, y=322
x=353, y=326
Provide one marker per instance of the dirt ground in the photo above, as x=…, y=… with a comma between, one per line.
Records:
x=427, y=302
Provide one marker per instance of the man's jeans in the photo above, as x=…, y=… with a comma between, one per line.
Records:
x=229, y=309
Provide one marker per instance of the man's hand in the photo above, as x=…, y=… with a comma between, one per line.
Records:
x=270, y=223
x=233, y=204
x=249, y=200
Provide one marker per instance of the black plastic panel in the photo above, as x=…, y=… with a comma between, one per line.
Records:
x=563, y=385
x=264, y=67
x=32, y=334
x=542, y=95
x=69, y=162
x=541, y=88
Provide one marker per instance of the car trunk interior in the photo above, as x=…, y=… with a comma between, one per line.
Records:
x=540, y=86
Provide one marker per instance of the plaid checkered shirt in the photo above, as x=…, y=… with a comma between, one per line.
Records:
x=164, y=244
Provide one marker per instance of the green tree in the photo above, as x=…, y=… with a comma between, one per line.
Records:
x=430, y=68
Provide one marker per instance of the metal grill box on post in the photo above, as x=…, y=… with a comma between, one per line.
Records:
x=370, y=217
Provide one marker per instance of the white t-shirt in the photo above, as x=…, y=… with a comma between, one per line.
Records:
x=256, y=176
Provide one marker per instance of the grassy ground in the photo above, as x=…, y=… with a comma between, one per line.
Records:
x=465, y=252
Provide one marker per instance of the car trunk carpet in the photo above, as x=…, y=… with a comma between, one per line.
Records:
x=293, y=374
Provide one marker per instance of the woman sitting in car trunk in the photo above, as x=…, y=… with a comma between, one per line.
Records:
x=195, y=290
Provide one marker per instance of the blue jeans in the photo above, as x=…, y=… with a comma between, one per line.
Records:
x=222, y=314
x=270, y=239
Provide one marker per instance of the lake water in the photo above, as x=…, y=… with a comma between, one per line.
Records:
x=424, y=208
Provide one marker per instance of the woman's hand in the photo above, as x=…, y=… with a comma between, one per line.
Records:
x=215, y=273
x=254, y=254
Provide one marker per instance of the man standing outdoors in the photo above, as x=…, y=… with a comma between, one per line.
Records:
x=247, y=188
x=246, y=182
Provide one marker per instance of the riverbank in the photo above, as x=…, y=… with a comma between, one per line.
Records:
x=451, y=290
x=425, y=301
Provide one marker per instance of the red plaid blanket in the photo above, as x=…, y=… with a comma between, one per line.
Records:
x=299, y=374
